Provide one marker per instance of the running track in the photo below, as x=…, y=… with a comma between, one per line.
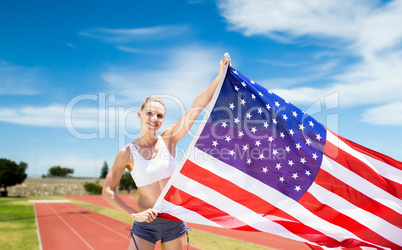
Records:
x=263, y=239
x=63, y=225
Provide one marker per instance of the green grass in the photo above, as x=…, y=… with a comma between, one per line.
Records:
x=18, y=226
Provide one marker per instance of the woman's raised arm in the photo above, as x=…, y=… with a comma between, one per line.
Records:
x=181, y=128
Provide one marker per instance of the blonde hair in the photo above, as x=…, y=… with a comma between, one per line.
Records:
x=152, y=99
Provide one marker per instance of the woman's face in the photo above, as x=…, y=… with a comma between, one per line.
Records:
x=152, y=115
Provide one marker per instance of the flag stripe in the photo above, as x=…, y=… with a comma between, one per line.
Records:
x=183, y=214
x=362, y=185
x=268, y=194
x=376, y=157
x=357, y=198
x=183, y=199
x=330, y=214
x=361, y=216
x=232, y=208
x=253, y=202
x=369, y=167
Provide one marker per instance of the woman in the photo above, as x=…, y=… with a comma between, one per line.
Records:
x=150, y=160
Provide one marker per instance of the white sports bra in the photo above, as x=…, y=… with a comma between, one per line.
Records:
x=149, y=171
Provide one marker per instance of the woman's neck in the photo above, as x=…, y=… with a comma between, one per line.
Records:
x=148, y=139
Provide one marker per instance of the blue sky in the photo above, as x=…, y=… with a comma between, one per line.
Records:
x=72, y=74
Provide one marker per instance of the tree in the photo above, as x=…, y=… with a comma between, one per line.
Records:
x=57, y=171
x=11, y=174
x=126, y=182
x=104, y=170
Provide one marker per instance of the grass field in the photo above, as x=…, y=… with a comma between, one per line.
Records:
x=18, y=226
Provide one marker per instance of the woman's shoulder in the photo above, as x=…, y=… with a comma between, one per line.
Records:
x=124, y=156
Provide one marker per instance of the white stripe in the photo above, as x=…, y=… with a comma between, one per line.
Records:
x=185, y=214
x=379, y=167
x=365, y=218
x=37, y=226
x=236, y=210
x=270, y=195
x=360, y=184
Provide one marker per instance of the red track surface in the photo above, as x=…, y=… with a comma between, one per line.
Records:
x=263, y=239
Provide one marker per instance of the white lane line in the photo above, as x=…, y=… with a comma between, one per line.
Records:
x=72, y=229
x=37, y=228
x=97, y=222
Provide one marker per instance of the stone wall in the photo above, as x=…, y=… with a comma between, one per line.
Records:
x=51, y=187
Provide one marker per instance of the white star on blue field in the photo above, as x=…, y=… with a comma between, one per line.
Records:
x=73, y=74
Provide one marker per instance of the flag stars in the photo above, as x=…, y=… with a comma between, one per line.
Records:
x=224, y=125
x=270, y=139
x=235, y=72
x=237, y=88
x=231, y=106
x=274, y=121
x=308, y=142
x=252, y=82
x=236, y=120
x=242, y=102
x=274, y=152
x=232, y=152
x=215, y=143
x=258, y=143
x=287, y=149
x=228, y=139
x=297, y=188
x=290, y=163
x=298, y=146
x=291, y=132
x=244, y=84
x=248, y=115
x=253, y=130
x=253, y=96
x=259, y=111
x=318, y=137
x=277, y=104
x=260, y=94
x=301, y=127
x=261, y=156
x=308, y=173
x=294, y=114
x=282, y=179
x=302, y=160
x=249, y=161
x=285, y=117
x=282, y=135
x=245, y=147
x=240, y=134
x=265, y=170
x=268, y=107
x=266, y=125
x=278, y=166
x=311, y=124
x=315, y=156
x=294, y=176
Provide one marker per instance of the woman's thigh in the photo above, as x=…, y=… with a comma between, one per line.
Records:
x=141, y=244
x=175, y=244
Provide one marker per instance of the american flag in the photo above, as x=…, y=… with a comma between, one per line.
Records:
x=258, y=163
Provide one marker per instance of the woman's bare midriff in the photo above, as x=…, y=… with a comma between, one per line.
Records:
x=149, y=194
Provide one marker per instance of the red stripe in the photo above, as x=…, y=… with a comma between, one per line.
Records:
x=255, y=203
x=376, y=155
x=336, y=186
x=358, y=167
x=183, y=199
x=334, y=217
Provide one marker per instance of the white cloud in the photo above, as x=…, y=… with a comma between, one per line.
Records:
x=180, y=77
x=130, y=35
x=388, y=114
x=18, y=80
x=364, y=30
